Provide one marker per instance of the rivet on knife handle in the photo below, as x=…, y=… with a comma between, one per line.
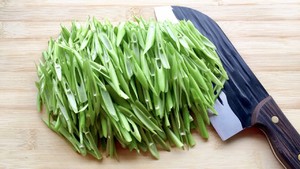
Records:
x=275, y=119
x=283, y=137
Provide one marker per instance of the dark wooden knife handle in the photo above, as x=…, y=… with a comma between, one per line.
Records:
x=283, y=137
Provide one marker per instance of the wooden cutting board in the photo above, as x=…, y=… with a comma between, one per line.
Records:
x=267, y=35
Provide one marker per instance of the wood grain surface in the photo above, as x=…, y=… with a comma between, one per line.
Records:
x=266, y=33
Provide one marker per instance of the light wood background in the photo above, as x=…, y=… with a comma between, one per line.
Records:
x=266, y=33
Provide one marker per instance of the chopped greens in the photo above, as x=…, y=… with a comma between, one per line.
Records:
x=144, y=84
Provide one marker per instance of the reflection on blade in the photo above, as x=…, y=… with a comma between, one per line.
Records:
x=226, y=123
x=164, y=13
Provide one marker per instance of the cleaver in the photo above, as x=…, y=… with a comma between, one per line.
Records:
x=243, y=102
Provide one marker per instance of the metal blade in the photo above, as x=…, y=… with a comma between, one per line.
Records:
x=242, y=92
x=226, y=123
x=164, y=13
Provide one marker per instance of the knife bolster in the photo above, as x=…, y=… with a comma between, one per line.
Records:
x=283, y=137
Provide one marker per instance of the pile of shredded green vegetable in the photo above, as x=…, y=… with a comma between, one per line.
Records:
x=143, y=84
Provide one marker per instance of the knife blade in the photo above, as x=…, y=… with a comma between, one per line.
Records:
x=243, y=102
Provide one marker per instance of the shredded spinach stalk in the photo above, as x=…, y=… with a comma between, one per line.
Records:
x=144, y=84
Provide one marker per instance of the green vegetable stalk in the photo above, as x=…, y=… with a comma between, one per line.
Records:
x=144, y=84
